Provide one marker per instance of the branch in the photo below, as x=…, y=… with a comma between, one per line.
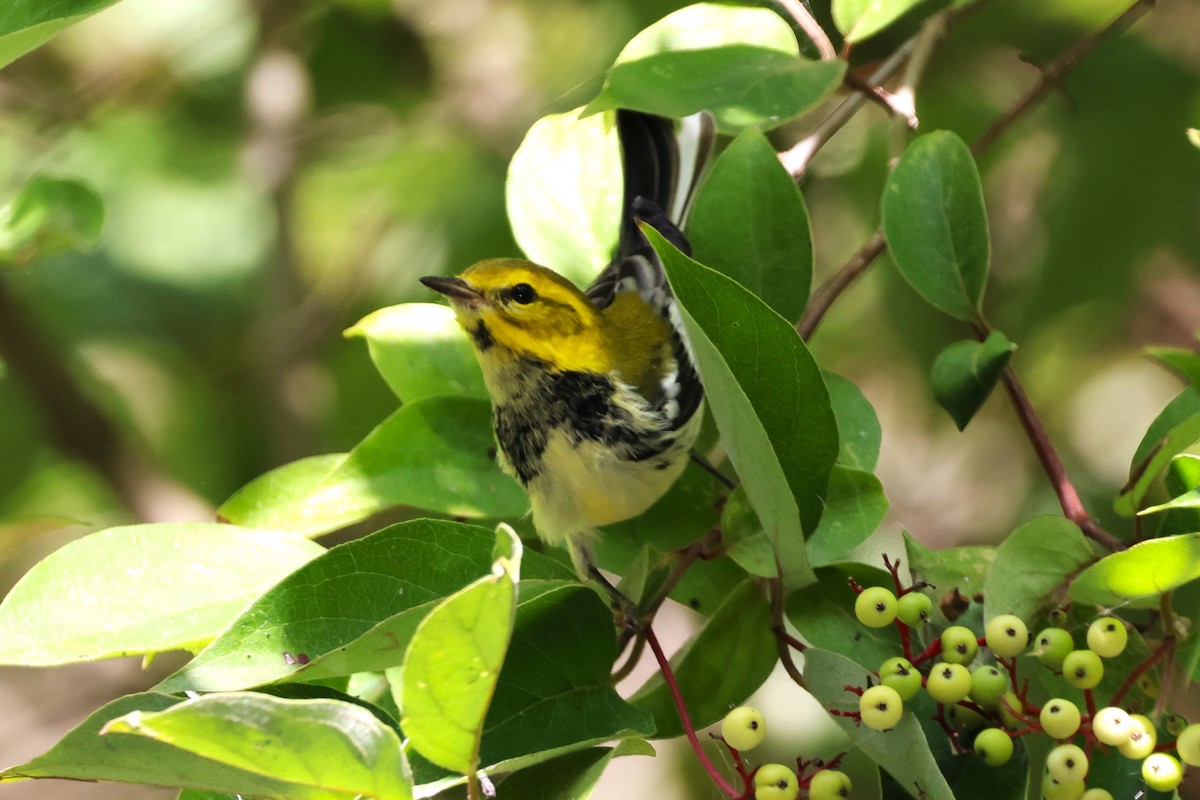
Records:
x=1072, y=507
x=688, y=728
x=810, y=27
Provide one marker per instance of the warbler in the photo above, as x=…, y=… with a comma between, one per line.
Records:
x=595, y=396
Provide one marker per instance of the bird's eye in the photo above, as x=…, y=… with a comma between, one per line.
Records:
x=523, y=293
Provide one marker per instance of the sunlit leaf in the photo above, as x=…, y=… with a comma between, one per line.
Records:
x=452, y=665
x=317, y=745
x=141, y=589
x=564, y=193
x=437, y=454
x=936, y=226
x=862, y=19
x=1145, y=571
x=27, y=24
x=703, y=25
x=421, y=351
x=351, y=610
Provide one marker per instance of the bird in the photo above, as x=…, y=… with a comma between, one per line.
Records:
x=596, y=398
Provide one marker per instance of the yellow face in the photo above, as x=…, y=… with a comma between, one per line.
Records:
x=514, y=308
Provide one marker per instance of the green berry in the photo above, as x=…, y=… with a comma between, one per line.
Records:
x=1188, y=745
x=1006, y=635
x=959, y=645
x=1174, y=724
x=1010, y=701
x=1083, y=669
x=1053, y=789
x=988, y=686
x=994, y=747
x=829, y=784
x=1142, y=738
x=1161, y=772
x=881, y=708
x=875, y=607
x=948, y=683
x=1060, y=718
x=1058, y=617
x=744, y=728
x=1096, y=794
x=913, y=608
x=1052, y=645
x=1111, y=725
x=1067, y=763
x=902, y=676
x=775, y=782
x=1107, y=637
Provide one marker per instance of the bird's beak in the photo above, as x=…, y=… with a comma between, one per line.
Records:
x=458, y=290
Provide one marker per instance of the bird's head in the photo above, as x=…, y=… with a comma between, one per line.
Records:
x=514, y=308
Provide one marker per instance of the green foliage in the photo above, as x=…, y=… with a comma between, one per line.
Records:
x=965, y=373
x=936, y=226
x=413, y=657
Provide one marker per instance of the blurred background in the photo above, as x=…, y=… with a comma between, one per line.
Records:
x=273, y=170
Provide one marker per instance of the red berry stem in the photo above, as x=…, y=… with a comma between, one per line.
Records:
x=940, y=719
x=905, y=639
x=681, y=707
x=894, y=568
x=1090, y=697
x=1139, y=670
x=1010, y=666
x=935, y=647
x=1023, y=714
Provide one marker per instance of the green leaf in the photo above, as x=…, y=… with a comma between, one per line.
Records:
x=862, y=19
x=1184, y=362
x=749, y=222
x=421, y=351
x=1036, y=560
x=1143, y=572
x=902, y=752
x=554, y=696
x=949, y=568
x=564, y=193
x=824, y=615
x=570, y=777
x=83, y=754
x=966, y=372
x=436, y=454
x=141, y=589
x=1187, y=604
x=767, y=397
x=702, y=25
x=742, y=85
x=48, y=216
x=854, y=507
x=1183, y=483
x=270, y=494
x=27, y=24
x=936, y=226
x=453, y=662
x=1175, y=428
x=351, y=610
x=719, y=667
x=859, y=434
x=323, y=745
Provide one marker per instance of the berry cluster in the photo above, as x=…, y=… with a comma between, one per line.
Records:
x=984, y=708
x=744, y=729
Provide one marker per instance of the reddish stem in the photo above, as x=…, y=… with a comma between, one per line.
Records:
x=1139, y=670
x=685, y=718
x=1090, y=697
x=935, y=647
